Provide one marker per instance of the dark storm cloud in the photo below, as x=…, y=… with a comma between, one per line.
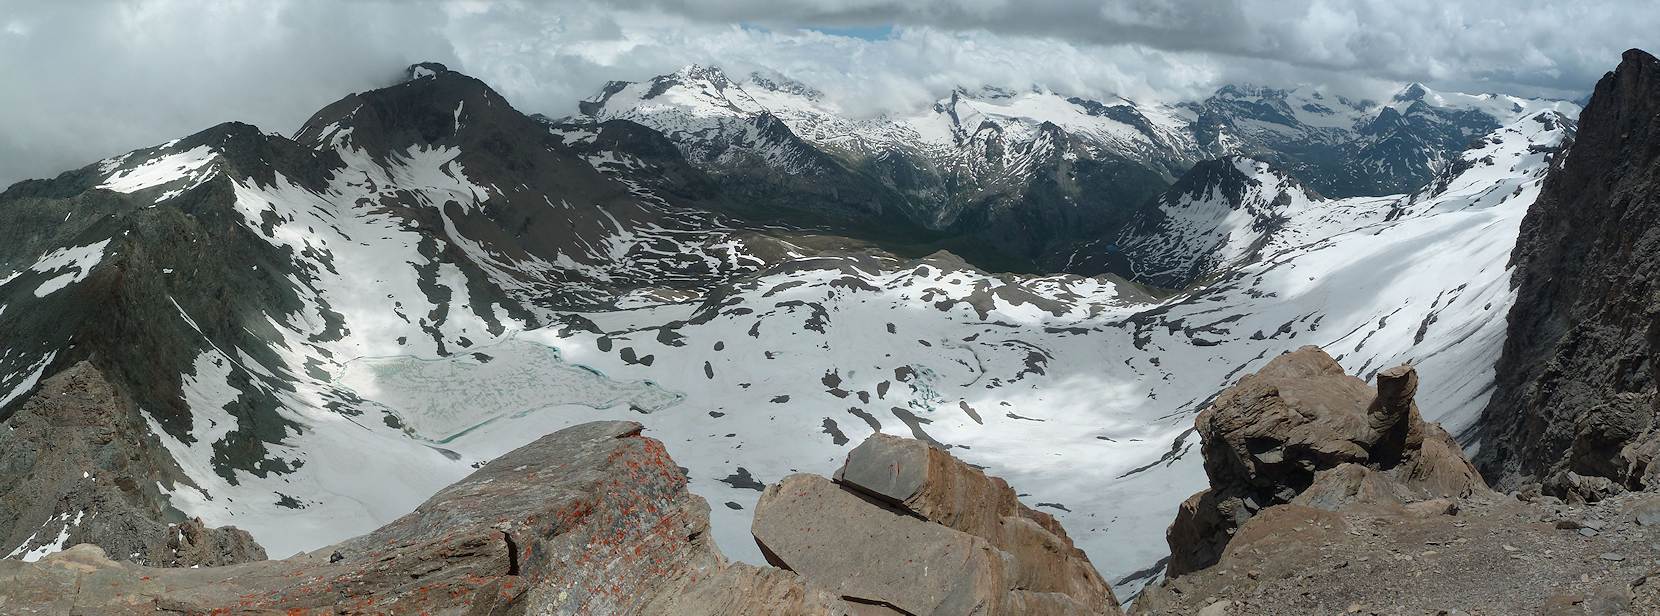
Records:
x=1545, y=44
x=85, y=80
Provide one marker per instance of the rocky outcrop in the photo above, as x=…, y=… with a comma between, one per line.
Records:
x=1329, y=498
x=1301, y=431
x=908, y=527
x=1488, y=555
x=79, y=465
x=596, y=519
x=1576, y=381
x=591, y=519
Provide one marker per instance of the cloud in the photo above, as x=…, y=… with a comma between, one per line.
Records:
x=1538, y=43
x=85, y=80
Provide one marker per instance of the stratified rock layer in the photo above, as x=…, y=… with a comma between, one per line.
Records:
x=1300, y=430
x=1586, y=323
x=909, y=527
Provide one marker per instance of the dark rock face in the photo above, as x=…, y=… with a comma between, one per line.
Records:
x=1301, y=431
x=590, y=519
x=1585, y=327
x=907, y=526
x=79, y=465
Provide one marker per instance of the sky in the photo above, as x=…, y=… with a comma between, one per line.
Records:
x=81, y=80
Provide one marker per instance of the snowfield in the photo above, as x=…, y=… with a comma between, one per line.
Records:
x=1080, y=391
x=398, y=372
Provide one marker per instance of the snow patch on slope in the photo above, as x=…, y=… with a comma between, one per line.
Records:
x=192, y=165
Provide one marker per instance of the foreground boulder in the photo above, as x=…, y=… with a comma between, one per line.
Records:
x=1301, y=431
x=78, y=464
x=591, y=519
x=1329, y=498
x=909, y=528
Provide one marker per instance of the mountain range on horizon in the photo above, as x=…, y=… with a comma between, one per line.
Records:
x=306, y=337
x=1035, y=176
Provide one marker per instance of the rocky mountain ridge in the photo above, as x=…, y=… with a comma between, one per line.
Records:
x=1345, y=148
x=79, y=456
x=1040, y=175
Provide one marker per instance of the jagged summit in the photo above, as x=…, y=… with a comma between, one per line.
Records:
x=1247, y=90
x=434, y=106
x=778, y=82
x=1635, y=57
x=421, y=70
x=698, y=72
x=1411, y=92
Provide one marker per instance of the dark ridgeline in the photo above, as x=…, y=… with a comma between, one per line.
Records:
x=1579, y=356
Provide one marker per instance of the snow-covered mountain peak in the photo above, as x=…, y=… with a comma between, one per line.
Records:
x=1514, y=156
x=712, y=75
x=1116, y=123
x=693, y=96
x=1249, y=91
x=1502, y=108
x=1348, y=147
x=783, y=84
x=1411, y=92
x=1233, y=210
x=991, y=92
x=694, y=91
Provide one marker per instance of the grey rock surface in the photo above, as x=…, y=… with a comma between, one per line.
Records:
x=873, y=554
x=1585, y=326
x=907, y=525
x=79, y=465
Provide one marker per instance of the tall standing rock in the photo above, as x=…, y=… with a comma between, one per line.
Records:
x=1301, y=431
x=1584, y=326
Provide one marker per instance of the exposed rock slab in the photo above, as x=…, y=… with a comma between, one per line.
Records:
x=911, y=527
x=807, y=524
x=930, y=483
